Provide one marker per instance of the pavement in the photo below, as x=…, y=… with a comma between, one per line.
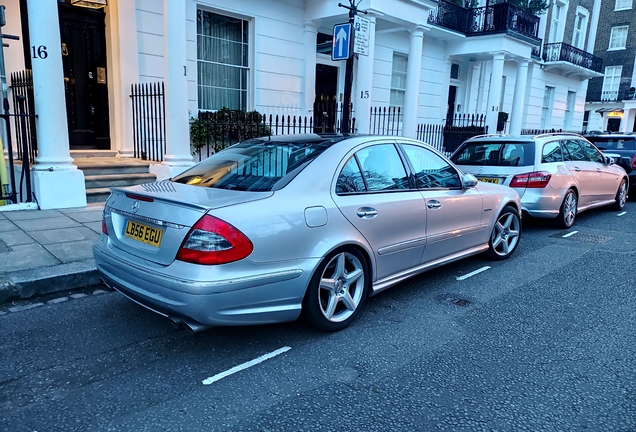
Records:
x=47, y=251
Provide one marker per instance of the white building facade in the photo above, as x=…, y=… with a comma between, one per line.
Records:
x=433, y=60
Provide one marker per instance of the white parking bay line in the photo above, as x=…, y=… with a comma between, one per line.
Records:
x=621, y=213
x=570, y=234
x=245, y=365
x=472, y=273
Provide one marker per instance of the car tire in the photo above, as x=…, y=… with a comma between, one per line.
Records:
x=621, y=195
x=338, y=290
x=505, y=234
x=568, y=210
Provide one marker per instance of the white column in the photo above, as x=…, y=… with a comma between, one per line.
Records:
x=364, y=83
x=492, y=110
x=57, y=183
x=591, y=40
x=125, y=71
x=519, y=97
x=177, y=158
x=413, y=72
x=310, y=33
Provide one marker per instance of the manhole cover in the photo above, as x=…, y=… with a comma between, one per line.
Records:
x=579, y=236
x=454, y=299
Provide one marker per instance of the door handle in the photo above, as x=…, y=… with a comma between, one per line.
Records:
x=598, y=170
x=367, y=212
x=433, y=204
x=577, y=169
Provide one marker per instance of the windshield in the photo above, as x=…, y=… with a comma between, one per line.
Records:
x=257, y=165
x=497, y=153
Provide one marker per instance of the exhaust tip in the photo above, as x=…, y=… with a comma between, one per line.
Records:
x=193, y=326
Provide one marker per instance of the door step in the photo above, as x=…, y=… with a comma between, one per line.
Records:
x=75, y=154
x=102, y=173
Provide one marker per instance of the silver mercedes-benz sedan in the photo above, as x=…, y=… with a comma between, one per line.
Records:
x=557, y=175
x=274, y=227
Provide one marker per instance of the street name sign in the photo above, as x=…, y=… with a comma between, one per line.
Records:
x=342, y=35
x=361, y=27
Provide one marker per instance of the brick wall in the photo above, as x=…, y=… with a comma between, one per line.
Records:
x=608, y=19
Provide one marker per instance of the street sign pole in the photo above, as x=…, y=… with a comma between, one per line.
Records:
x=348, y=84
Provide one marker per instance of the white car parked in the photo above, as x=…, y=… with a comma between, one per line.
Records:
x=557, y=175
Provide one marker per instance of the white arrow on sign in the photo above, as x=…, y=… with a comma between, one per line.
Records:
x=341, y=38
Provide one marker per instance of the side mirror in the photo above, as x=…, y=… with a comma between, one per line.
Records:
x=469, y=181
x=611, y=158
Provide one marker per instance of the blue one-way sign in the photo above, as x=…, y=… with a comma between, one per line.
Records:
x=342, y=41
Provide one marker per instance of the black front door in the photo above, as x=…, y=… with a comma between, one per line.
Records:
x=613, y=124
x=450, y=106
x=83, y=34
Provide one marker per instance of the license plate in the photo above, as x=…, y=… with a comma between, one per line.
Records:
x=143, y=233
x=488, y=180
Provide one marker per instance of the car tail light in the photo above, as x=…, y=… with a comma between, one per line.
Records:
x=634, y=162
x=536, y=179
x=213, y=241
x=139, y=197
x=104, y=227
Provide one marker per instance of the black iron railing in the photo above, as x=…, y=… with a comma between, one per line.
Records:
x=22, y=86
x=450, y=16
x=500, y=17
x=214, y=131
x=630, y=94
x=149, y=120
x=544, y=131
x=563, y=52
x=385, y=121
x=503, y=18
x=447, y=137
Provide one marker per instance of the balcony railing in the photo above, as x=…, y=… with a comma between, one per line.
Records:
x=500, y=17
x=563, y=52
x=630, y=94
x=450, y=16
x=609, y=96
x=503, y=18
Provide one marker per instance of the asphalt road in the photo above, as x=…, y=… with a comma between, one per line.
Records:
x=545, y=341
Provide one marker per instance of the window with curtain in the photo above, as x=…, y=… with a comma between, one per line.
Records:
x=222, y=61
x=546, y=110
x=611, y=81
x=623, y=4
x=618, y=38
x=398, y=80
x=569, y=110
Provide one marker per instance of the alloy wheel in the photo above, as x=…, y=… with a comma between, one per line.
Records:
x=341, y=287
x=569, y=208
x=505, y=234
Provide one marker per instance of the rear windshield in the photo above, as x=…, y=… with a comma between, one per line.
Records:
x=495, y=154
x=614, y=143
x=257, y=165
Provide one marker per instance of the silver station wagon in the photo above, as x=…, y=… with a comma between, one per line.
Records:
x=274, y=227
x=556, y=175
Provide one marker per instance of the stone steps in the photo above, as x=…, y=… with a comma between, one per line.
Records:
x=103, y=171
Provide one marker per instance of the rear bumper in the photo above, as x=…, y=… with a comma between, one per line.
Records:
x=542, y=203
x=268, y=293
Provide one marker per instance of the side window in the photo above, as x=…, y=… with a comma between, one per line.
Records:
x=431, y=171
x=573, y=151
x=350, y=179
x=592, y=152
x=382, y=168
x=552, y=152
